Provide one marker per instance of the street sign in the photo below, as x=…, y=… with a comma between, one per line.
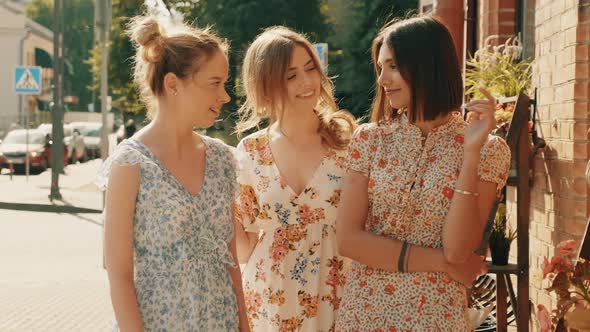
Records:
x=27, y=80
x=322, y=49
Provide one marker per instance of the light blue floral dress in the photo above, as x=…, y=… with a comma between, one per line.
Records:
x=181, y=254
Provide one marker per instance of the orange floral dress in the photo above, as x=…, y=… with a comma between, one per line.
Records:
x=410, y=190
x=293, y=280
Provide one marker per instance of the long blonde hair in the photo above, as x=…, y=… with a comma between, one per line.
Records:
x=167, y=47
x=263, y=82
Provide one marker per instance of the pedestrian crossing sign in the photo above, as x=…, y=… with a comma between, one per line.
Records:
x=27, y=80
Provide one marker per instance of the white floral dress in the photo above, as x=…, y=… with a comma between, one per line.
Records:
x=293, y=280
x=181, y=241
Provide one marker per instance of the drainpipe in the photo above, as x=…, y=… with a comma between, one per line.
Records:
x=20, y=62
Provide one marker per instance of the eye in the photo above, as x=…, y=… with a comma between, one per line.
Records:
x=310, y=68
x=290, y=77
x=393, y=66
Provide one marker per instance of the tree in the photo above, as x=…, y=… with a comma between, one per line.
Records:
x=78, y=40
x=355, y=82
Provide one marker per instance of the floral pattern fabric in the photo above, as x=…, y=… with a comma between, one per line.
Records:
x=181, y=252
x=294, y=277
x=411, y=184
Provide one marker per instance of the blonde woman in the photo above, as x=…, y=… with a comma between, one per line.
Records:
x=169, y=239
x=290, y=180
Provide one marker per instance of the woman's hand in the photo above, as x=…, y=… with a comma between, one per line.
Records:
x=468, y=271
x=481, y=121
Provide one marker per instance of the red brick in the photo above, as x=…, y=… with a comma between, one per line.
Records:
x=580, y=151
x=580, y=187
x=582, y=52
x=581, y=131
x=582, y=72
x=575, y=226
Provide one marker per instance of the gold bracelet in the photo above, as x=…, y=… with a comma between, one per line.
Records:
x=465, y=192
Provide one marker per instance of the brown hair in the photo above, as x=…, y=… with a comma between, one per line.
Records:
x=424, y=52
x=168, y=47
x=263, y=80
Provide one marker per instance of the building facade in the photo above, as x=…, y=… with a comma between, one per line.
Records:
x=26, y=43
x=556, y=35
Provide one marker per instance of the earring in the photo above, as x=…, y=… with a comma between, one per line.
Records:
x=175, y=93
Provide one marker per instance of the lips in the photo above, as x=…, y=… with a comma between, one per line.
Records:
x=390, y=91
x=306, y=95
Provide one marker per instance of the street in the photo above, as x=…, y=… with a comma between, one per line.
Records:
x=52, y=277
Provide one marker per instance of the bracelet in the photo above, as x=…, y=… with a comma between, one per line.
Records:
x=407, y=259
x=465, y=192
x=402, y=257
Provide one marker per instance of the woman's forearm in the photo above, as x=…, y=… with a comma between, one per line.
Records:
x=462, y=231
x=383, y=253
x=125, y=304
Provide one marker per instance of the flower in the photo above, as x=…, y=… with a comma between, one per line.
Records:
x=566, y=248
x=544, y=318
x=569, y=278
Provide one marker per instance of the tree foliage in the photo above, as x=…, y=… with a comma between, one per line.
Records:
x=355, y=82
x=78, y=18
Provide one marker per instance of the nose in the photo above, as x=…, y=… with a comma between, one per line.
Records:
x=224, y=98
x=306, y=80
x=383, y=78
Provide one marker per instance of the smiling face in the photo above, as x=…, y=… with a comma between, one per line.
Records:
x=303, y=81
x=200, y=97
x=391, y=81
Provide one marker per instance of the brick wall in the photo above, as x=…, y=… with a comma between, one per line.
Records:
x=496, y=17
x=560, y=206
x=559, y=198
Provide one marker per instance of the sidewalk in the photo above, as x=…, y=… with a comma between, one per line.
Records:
x=79, y=194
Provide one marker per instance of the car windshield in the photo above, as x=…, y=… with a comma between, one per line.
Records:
x=20, y=137
x=92, y=133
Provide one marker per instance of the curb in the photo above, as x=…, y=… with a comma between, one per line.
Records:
x=46, y=208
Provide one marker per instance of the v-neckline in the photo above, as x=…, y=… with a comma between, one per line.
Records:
x=175, y=179
x=283, y=179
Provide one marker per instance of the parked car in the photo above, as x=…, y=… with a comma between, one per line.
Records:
x=91, y=132
x=13, y=149
x=47, y=129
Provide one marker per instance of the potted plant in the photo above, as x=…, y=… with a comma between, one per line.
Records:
x=569, y=279
x=501, y=237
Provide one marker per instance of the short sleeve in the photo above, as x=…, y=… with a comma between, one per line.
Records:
x=246, y=204
x=361, y=149
x=125, y=154
x=494, y=162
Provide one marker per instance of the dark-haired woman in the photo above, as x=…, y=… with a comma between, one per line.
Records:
x=419, y=186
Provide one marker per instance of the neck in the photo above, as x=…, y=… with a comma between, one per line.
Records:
x=170, y=131
x=295, y=124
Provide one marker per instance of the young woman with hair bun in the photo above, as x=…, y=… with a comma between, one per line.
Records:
x=169, y=238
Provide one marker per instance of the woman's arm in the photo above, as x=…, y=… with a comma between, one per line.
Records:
x=121, y=194
x=473, y=197
x=245, y=242
x=468, y=214
x=383, y=252
x=236, y=277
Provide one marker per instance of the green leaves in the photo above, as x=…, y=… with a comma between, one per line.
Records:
x=499, y=69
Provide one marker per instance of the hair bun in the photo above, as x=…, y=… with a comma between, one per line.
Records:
x=147, y=32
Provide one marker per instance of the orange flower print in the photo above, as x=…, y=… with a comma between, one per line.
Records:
x=355, y=154
x=389, y=289
x=395, y=161
x=369, y=271
x=309, y=304
x=422, y=303
x=371, y=184
x=296, y=233
x=291, y=325
x=382, y=163
x=432, y=159
x=253, y=301
x=373, y=148
x=459, y=139
x=448, y=192
x=276, y=297
x=334, y=200
x=364, y=135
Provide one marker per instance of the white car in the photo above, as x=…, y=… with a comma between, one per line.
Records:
x=91, y=132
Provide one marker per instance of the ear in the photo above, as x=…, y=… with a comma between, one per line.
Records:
x=171, y=84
